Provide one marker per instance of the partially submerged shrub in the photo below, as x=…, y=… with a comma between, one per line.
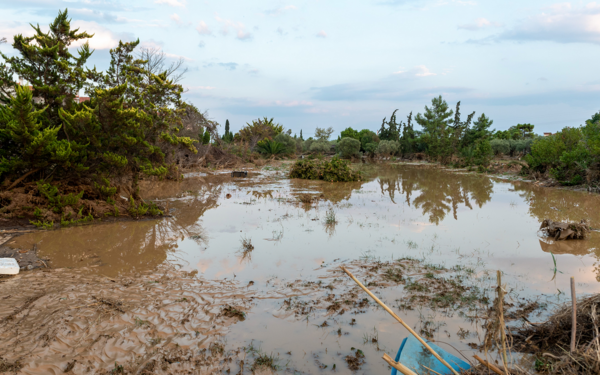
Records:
x=349, y=147
x=334, y=170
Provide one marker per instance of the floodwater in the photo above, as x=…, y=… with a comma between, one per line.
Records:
x=439, y=217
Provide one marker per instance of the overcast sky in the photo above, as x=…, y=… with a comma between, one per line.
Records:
x=310, y=63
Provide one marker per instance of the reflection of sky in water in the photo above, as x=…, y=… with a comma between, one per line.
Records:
x=402, y=211
x=443, y=217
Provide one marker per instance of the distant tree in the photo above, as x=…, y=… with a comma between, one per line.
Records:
x=392, y=132
x=436, y=121
x=206, y=138
x=349, y=147
x=525, y=130
x=301, y=137
x=480, y=130
x=323, y=134
x=459, y=129
x=407, y=141
x=595, y=118
x=349, y=133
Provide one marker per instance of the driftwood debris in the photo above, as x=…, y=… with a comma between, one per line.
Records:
x=565, y=231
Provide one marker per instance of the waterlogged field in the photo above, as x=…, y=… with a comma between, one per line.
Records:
x=244, y=273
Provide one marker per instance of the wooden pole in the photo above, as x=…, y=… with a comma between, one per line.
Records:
x=501, y=316
x=488, y=365
x=574, y=316
x=397, y=365
x=400, y=321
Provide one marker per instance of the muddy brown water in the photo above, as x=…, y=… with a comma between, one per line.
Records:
x=439, y=217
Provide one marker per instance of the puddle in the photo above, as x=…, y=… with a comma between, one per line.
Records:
x=440, y=218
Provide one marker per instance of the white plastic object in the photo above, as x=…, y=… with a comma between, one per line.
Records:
x=9, y=266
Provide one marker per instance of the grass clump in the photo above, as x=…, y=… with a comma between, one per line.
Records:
x=334, y=170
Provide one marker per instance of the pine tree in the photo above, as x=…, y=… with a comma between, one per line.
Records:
x=301, y=137
x=56, y=75
x=435, y=122
x=226, y=128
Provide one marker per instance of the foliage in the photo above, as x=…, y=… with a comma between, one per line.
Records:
x=500, y=146
x=334, y=170
x=206, y=138
x=288, y=142
x=392, y=132
x=269, y=147
x=259, y=129
x=388, y=147
x=320, y=147
x=228, y=136
x=322, y=134
x=519, y=131
x=132, y=119
x=349, y=133
x=349, y=147
x=565, y=155
x=482, y=153
x=480, y=130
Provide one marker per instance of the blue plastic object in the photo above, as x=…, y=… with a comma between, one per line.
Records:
x=413, y=354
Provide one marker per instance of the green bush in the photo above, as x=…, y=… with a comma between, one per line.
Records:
x=366, y=137
x=500, y=146
x=320, y=147
x=334, y=170
x=388, y=147
x=349, y=147
x=288, y=142
x=306, y=144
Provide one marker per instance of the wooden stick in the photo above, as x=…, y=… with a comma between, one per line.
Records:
x=400, y=321
x=488, y=365
x=501, y=314
x=435, y=372
x=397, y=365
x=574, y=316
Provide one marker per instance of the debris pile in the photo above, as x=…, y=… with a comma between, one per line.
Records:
x=565, y=231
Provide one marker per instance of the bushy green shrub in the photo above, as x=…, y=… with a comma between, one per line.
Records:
x=349, y=147
x=288, y=142
x=366, y=137
x=565, y=155
x=387, y=147
x=334, y=170
x=500, y=146
x=320, y=147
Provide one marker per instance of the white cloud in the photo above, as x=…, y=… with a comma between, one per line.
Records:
x=321, y=34
x=103, y=37
x=172, y=3
x=561, y=23
x=278, y=11
x=238, y=27
x=203, y=29
x=417, y=71
x=480, y=23
x=175, y=17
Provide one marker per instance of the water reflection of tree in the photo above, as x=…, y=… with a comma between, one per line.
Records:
x=439, y=192
x=332, y=192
